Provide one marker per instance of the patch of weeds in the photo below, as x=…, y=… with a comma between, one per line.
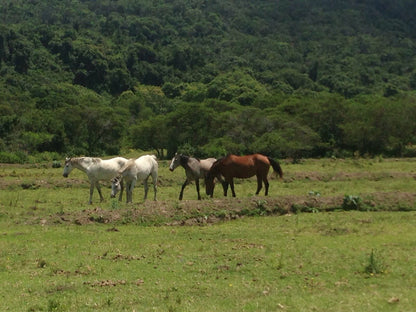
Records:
x=311, y=210
x=177, y=206
x=222, y=214
x=109, y=301
x=56, y=164
x=352, y=202
x=98, y=219
x=374, y=264
x=279, y=210
x=115, y=204
x=259, y=209
x=280, y=262
x=314, y=193
x=60, y=211
x=260, y=206
x=295, y=208
x=29, y=186
x=35, y=308
x=127, y=217
x=53, y=305
x=41, y=263
x=405, y=207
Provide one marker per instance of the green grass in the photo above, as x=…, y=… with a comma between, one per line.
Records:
x=328, y=261
x=296, y=263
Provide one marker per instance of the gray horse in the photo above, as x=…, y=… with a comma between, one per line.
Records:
x=195, y=169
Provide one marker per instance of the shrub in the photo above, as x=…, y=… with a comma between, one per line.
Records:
x=352, y=202
x=13, y=157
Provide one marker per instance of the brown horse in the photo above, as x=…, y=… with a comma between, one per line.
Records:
x=232, y=166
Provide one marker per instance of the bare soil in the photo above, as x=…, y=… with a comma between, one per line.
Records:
x=205, y=212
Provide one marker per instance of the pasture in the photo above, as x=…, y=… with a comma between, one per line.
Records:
x=333, y=235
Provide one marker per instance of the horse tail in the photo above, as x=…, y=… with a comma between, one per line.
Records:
x=276, y=166
x=128, y=164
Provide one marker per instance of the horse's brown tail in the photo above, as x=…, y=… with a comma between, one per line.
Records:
x=276, y=166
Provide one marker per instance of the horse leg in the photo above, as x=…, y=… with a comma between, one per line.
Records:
x=91, y=192
x=259, y=185
x=183, y=187
x=133, y=183
x=97, y=185
x=266, y=186
x=197, y=188
x=129, y=191
x=128, y=194
x=225, y=187
x=120, y=197
x=154, y=178
x=146, y=188
x=224, y=184
x=232, y=186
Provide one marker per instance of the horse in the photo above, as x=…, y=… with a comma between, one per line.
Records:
x=232, y=166
x=96, y=169
x=136, y=169
x=195, y=169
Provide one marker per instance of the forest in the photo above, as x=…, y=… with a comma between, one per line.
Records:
x=290, y=79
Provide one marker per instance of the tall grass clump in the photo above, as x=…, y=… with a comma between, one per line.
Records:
x=374, y=264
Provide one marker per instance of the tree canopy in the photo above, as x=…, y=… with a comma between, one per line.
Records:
x=286, y=78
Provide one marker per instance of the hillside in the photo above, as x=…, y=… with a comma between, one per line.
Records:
x=315, y=77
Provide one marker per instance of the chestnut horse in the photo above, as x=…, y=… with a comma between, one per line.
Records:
x=232, y=166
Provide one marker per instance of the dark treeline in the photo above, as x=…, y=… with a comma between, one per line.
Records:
x=287, y=78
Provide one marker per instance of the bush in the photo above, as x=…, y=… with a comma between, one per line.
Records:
x=352, y=202
x=13, y=157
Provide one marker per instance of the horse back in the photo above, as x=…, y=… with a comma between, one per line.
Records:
x=145, y=166
x=245, y=166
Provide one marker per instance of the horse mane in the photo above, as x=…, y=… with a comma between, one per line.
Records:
x=214, y=166
x=95, y=160
x=183, y=159
x=77, y=160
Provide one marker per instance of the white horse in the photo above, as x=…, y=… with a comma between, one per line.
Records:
x=136, y=169
x=96, y=169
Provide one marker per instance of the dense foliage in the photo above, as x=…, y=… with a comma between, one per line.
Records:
x=286, y=78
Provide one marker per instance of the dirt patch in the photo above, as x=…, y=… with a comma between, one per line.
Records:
x=204, y=212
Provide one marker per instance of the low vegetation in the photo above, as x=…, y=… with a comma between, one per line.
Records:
x=334, y=235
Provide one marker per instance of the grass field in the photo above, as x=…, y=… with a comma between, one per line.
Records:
x=57, y=253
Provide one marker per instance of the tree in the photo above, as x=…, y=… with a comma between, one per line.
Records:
x=151, y=134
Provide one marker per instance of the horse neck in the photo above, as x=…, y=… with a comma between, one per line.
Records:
x=183, y=160
x=81, y=163
x=217, y=167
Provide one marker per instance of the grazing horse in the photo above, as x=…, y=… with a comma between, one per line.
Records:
x=96, y=169
x=232, y=166
x=195, y=169
x=136, y=169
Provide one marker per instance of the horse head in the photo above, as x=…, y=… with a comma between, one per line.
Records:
x=115, y=186
x=209, y=183
x=67, y=167
x=176, y=161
